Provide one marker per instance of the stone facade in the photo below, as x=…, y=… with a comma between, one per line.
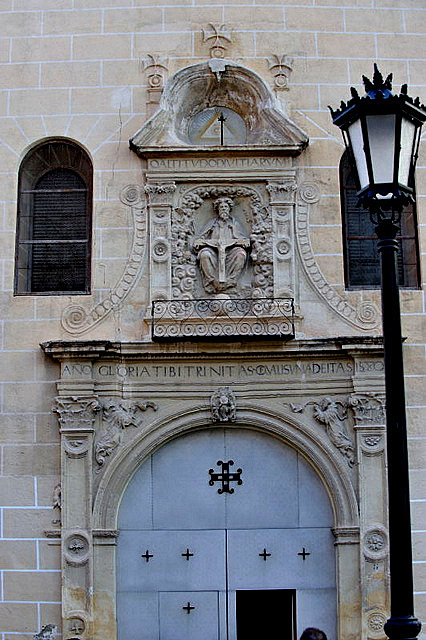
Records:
x=81, y=413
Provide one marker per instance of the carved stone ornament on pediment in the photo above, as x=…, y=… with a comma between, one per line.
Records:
x=197, y=96
x=118, y=416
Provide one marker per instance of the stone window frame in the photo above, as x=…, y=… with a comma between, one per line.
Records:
x=61, y=160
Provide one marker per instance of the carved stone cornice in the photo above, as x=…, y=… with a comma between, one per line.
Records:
x=346, y=535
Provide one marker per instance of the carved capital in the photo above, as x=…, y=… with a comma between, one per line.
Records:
x=367, y=408
x=160, y=192
x=282, y=191
x=76, y=413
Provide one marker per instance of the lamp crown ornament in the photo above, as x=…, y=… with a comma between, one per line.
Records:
x=381, y=131
x=376, y=89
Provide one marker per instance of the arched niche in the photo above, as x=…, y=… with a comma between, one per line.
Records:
x=221, y=85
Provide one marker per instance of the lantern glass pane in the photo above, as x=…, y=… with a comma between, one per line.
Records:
x=357, y=144
x=381, y=135
x=408, y=131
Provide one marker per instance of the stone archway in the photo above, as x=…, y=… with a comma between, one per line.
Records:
x=318, y=456
x=193, y=552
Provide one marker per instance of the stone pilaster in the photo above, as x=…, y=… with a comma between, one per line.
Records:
x=368, y=411
x=160, y=202
x=76, y=419
x=282, y=203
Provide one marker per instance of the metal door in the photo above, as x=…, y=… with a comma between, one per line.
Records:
x=193, y=540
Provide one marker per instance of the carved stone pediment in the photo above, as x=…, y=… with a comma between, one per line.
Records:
x=186, y=118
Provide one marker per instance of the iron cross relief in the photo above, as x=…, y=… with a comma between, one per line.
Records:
x=147, y=555
x=225, y=477
x=304, y=553
x=221, y=119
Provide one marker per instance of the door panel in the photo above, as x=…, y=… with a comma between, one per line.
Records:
x=182, y=496
x=203, y=547
x=201, y=623
x=168, y=569
x=317, y=607
x=259, y=493
x=284, y=568
x=138, y=615
x=266, y=614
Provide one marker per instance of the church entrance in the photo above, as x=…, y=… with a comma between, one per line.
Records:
x=225, y=534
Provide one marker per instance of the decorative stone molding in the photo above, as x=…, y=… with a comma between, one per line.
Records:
x=281, y=68
x=118, y=415
x=76, y=623
x=223, y=405
x=221, y=38
x=368, y=408
x=366, y=316
x=332, y=414
x=77, y=319
x=155, y=68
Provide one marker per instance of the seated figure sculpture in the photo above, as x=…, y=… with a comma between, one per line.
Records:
x=222, y=248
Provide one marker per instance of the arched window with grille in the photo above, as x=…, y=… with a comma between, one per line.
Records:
x=362, y=261
x=53, y=246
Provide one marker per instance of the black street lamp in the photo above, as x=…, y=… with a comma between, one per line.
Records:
x=382, y=133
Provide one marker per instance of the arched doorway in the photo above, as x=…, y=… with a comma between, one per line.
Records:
x=196, y=564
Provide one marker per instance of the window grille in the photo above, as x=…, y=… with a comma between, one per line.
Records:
x=362, y=261
x=54, y=220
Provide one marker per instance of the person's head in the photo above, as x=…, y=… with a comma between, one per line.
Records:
x=311, y=633
x=223, y=207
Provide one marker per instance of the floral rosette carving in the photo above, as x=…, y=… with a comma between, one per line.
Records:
x=184, y=260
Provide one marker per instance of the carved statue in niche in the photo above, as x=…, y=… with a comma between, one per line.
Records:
x=222, y=248
x=252, y=227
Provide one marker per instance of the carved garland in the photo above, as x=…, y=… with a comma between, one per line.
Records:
x=366, y=316
x=75, y=318
x=184, y=261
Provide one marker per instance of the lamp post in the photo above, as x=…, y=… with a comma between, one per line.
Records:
x=381, y=130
